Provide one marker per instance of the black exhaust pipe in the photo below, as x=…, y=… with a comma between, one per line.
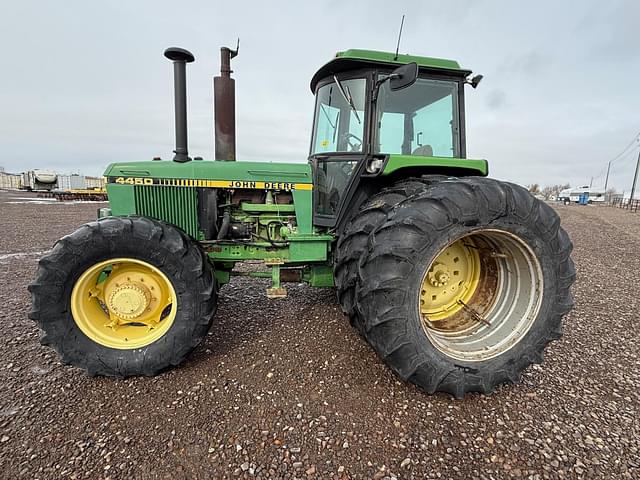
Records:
x=180, y=57
x=224, y=90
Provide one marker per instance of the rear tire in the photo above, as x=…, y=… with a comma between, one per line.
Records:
x=353, y=242
x=497, y=321
x=143, y=245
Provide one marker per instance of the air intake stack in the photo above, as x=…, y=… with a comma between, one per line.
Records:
x=225, y=108
x=180, y=57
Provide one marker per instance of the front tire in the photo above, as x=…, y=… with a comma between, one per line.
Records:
x=464, y=285
x=124, y=296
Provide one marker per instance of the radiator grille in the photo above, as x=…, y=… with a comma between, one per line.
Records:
x=176, y=205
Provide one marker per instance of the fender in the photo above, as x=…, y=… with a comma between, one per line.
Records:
x=364, y=184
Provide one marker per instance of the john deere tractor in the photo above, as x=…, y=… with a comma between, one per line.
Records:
x=458, y=281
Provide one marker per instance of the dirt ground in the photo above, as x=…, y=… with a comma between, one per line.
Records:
x=286, y=389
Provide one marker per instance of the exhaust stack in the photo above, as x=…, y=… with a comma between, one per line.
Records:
x=225, y=107
x=180, y=57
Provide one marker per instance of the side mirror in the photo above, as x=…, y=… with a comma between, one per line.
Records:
x=475, y=81
x=403, y=77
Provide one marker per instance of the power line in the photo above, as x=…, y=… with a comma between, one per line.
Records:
x=601, y=172
x=624, y=152
x=607, y=168
x=629, y=155
x=636, y=138
x=616, y=168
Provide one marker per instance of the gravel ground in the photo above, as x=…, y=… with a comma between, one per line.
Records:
x=286, y=389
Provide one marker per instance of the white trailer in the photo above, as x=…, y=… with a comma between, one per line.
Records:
x=39, y=180
x=573, y=195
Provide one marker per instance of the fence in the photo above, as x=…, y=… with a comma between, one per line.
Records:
x=626, y=203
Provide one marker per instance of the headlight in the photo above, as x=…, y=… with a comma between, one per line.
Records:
x=374, y=165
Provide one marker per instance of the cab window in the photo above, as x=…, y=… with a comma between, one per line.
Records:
x=419, y=120
x=339, y=121
x=332, y=179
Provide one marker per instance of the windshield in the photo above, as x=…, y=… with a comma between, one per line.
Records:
x=339, y=122
x=419, y=120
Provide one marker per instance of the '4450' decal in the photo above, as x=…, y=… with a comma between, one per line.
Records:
x=133, y=181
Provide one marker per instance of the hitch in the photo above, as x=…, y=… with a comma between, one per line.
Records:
x=276, y=290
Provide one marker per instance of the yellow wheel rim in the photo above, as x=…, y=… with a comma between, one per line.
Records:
x=123, y=303
x=451, y=281
x=481, y=295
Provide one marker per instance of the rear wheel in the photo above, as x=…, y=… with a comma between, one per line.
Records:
x=464, y=285
x=352, y=243
x=124, y=296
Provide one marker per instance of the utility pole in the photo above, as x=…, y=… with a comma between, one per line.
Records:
x=635, y=179
x=606, y=181
x=607, y=198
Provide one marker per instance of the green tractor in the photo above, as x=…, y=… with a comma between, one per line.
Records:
x=458, y=281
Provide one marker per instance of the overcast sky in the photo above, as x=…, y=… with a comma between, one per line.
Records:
x=84, y=83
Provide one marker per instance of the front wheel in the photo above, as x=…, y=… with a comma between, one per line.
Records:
x=124, y=296
x=465, y=284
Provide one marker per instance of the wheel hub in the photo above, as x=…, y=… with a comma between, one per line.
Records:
x=129, y=301
x=439, y=275
x=450, y=282
x=123, y=303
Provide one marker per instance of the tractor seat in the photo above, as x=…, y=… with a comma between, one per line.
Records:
x=423, y=151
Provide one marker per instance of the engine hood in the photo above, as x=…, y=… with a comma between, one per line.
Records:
x=216, y=174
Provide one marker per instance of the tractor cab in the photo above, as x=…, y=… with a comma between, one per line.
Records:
x=373, y=106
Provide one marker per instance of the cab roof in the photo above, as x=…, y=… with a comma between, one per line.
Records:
x=354, y=58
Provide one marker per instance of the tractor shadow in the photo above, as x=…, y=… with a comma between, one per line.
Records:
x=248, y=323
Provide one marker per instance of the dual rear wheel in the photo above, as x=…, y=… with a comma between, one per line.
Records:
x=458, y=286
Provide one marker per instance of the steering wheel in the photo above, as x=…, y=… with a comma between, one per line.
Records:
x=354, y=146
